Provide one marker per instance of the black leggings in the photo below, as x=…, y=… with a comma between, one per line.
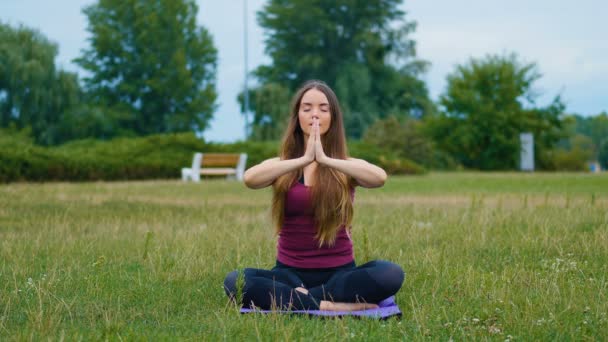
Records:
x=267, y=289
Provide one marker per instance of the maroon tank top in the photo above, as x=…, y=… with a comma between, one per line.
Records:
x=297, y=245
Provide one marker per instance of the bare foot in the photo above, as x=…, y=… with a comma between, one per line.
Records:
x=338, y=306
x=302, y=290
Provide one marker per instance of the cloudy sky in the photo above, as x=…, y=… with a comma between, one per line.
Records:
x=567, y=39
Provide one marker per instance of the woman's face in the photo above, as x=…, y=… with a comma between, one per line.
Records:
x=314, y=106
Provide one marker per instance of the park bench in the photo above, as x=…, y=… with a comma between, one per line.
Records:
x=232, y=165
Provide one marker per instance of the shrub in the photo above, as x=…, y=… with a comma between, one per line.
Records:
x=603, y=155
x=385, y=158
x=565, y=160
x=150, y=157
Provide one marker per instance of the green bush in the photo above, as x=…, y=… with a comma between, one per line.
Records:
x=150, y=157
x=565, y=160
x=387, y=159
x=603, y=155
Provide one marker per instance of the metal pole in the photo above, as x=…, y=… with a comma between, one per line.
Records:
x=246, y=88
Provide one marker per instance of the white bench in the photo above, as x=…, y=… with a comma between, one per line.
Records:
x=230, y=164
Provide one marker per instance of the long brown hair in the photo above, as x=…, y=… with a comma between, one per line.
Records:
x=331, y=197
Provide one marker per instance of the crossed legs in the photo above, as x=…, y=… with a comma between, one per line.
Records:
x=350, y=289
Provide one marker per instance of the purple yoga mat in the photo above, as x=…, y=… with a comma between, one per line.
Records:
x=386, y=309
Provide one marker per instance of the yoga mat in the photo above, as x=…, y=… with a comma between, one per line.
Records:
x=386, y=308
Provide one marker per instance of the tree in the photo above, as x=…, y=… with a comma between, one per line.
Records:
x=594, y=127
x=360, y=48
x=603, y=155
x=271, y=103
x=405, y=137
x=148, y=58
x=487, y=104
x=33, y=92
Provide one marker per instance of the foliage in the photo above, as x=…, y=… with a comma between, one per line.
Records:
x=603, y=155
x=150, y=60
x=574, y=155
x=408, y=139
x=360, y=48
x=119, y=159
x=151, y=157
x=33, y=91
x=386, y=158
x=594, y=127
x=271, y=102
x=89, y=121
x=487, y=104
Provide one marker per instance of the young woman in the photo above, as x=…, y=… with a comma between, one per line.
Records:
x=314, y=184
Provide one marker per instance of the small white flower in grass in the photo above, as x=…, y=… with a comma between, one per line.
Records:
x=492, y=329
x=475, y=320
x=30, y=282
x=423, y=225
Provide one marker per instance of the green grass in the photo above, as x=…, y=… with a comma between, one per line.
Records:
x=498, y=256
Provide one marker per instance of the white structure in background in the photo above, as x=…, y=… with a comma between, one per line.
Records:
x=527, y=151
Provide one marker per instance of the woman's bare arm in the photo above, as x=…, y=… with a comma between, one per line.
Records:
x=265, y=173
x=365, y=174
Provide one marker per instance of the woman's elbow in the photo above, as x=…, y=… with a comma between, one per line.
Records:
x=382, y=178
x=252, y=183
x=247, y=180
x=376, y=181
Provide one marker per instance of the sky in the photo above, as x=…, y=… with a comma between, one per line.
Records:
x=568, y=40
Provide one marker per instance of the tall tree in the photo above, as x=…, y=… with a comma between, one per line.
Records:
x=360, y=48
x=487, y=104
x=271, y=102
x=595, y=127
x=404, y=137
x=33, y=91
x=149, y=58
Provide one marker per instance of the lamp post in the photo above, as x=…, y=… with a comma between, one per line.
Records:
x=246, y=88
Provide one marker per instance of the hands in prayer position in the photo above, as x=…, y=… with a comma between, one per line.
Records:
x=314, y=146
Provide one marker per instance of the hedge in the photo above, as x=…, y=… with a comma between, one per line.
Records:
x=150, y=157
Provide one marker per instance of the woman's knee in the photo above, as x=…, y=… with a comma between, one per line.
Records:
x=230, y=284
x=389, y=275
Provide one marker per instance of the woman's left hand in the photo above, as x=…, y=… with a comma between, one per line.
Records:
x=320, y=156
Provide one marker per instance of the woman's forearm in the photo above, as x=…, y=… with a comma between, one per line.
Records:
x=265, y=173
x=367, y=175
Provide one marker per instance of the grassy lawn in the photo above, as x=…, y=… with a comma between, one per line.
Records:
x=499, y=256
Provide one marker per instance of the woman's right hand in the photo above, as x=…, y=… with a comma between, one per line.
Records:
x=309, y=154
x=265, y=173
